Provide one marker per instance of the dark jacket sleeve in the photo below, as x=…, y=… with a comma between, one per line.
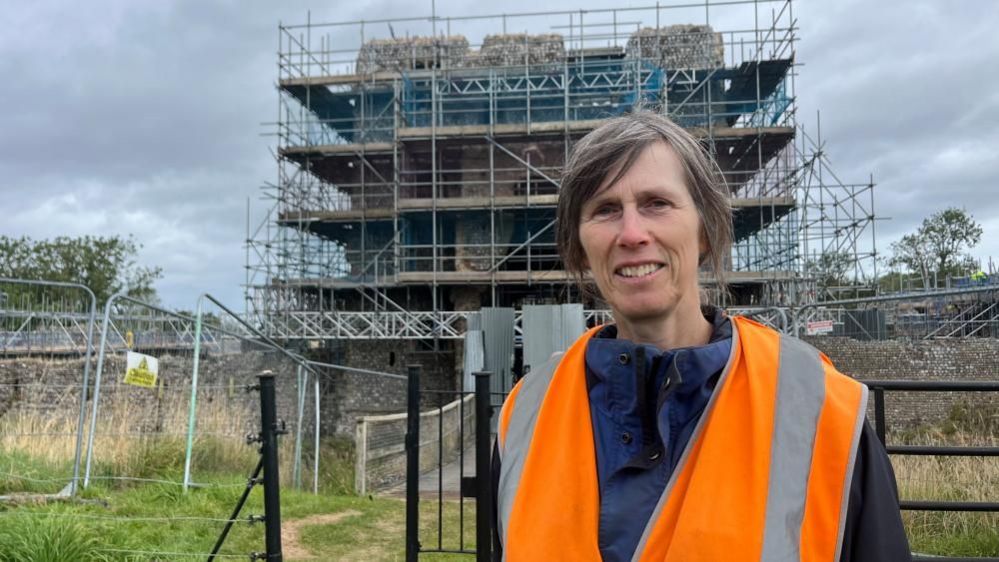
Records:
x=873, y=531
x=497, y=545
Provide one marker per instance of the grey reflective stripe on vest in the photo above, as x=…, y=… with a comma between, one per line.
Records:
x=800, y=396
x=517, y=439
x=801, y=390
x=698, y=430
x=844, y=503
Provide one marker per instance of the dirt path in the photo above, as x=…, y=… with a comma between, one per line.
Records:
x=290, y=532
x=430, y=481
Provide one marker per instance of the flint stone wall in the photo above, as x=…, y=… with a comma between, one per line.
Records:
x=973, y=359
x=350, y=395
x=52, y=387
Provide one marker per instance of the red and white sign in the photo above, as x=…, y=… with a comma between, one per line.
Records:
x=819, y=327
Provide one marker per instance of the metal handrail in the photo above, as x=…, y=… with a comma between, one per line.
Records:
x=879, y=387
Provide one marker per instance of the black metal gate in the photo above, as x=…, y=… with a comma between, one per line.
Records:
x=477, y=487
x=878, y=389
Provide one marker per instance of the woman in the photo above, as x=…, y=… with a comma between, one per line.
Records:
x=677, y=433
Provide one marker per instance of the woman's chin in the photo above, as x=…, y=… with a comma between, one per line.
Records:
x=644, y=310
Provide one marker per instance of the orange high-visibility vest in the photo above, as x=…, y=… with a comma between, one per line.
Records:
x=764, y=477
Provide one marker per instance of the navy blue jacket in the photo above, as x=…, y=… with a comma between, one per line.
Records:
x=641, y=427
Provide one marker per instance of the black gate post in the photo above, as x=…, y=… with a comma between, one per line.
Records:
x=413, y=464
x=879, y=414
x=269, y=452
x=483, y=469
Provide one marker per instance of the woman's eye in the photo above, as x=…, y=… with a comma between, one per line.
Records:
x=603, y=211
x=658, y=204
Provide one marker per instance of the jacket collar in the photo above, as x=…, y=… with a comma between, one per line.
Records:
x=611, y=366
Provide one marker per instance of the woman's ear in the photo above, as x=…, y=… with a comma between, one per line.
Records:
x=704, y=248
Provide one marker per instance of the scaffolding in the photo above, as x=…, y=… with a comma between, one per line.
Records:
x=418, y=159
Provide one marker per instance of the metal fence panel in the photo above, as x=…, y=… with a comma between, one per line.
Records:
x=935, y=314
x=549, y=329
x=227, y=354
x=46, y=341
x=138, y=430
x=187, y=425
x=497, y=335
x=474, y=360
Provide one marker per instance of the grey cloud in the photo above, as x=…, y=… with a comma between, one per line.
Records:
x=904, y=94
x=146, y=117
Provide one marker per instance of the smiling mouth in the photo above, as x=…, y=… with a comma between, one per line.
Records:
x=636, y=271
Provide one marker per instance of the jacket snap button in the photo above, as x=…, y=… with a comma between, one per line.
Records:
x=626, y=438
x=623, y=358
x=655, y=455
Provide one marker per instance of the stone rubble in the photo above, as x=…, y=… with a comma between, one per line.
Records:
x=678, y=46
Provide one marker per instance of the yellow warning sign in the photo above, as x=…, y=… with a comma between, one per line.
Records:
x=141, y=370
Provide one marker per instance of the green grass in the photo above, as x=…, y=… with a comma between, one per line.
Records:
x=943, y=534
x=113, y=517
x=20, y=472
x=47, y=539
x=372, y=529
x=952, y=479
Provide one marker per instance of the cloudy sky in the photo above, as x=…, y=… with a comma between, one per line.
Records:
x=146, y=118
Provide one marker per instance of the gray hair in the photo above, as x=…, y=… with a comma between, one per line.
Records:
x=615, y=145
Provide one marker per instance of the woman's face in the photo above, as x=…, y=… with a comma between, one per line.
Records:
x=642, y=237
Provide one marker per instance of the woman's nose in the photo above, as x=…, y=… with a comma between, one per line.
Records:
x=633, y=231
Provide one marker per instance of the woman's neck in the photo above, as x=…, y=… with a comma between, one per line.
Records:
x=685, y=326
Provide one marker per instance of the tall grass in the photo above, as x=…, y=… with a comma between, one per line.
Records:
x=148, y=441
x=47, y=539
x=974, y=479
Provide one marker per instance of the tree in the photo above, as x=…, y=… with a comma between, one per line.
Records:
x=104, y=264
x=948, y=233
x=831, y=269
x=913, y=253
x=939, y=245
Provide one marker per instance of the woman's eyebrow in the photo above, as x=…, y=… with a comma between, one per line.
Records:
x=599, y=199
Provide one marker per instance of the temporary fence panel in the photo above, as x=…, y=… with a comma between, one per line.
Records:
x=549, y=329
x=164, y=526
x=498, y=339
x=139, y=415
x=171, y=402
x=474, y=360
x=172, y=406
x=46, y=335
x=142, y=391
x=936, y=314
x=219, y=409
